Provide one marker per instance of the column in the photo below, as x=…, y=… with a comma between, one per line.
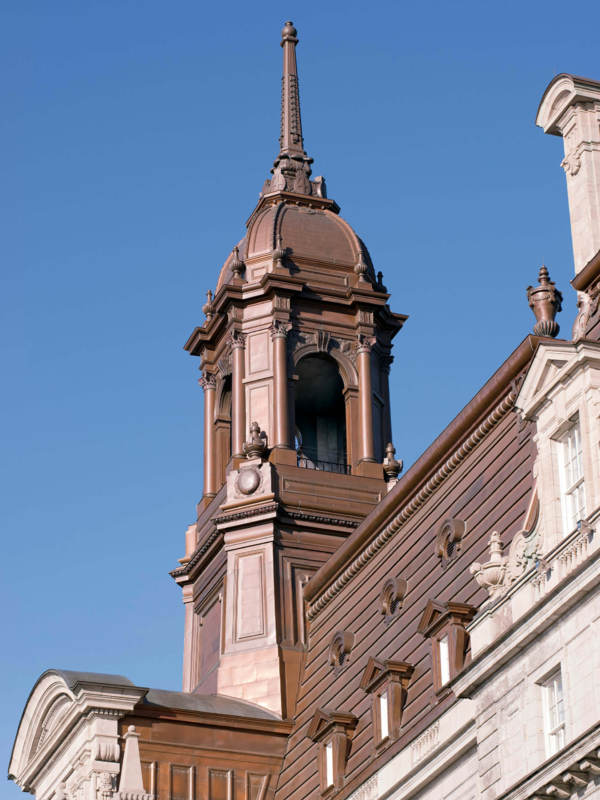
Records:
x=365, y=399
x=209, y=384
x=238, y=396
x=279, y=331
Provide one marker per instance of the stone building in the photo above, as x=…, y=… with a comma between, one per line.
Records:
x=350, y=632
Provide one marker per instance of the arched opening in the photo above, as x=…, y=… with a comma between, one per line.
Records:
x=223, y=428
x=320, y=415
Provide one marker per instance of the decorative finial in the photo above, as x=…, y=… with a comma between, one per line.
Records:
x=391, y=467
x=237, y=265
x=361, y=268
x=207, y=308
x=491, y=575
x=278, y=253
x=545, y=301
x=289, y=33
x=256, y=446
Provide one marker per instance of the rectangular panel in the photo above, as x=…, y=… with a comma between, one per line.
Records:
x=258, y=408
x=256, y=786
x=249, y=591
x=210, y=638
x=182, y=783
x=258, y=352
x=149, y=778
x=220, y=784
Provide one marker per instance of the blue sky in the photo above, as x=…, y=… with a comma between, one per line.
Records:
x=136, y=137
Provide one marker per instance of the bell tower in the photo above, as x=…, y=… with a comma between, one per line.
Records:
x=295, y=352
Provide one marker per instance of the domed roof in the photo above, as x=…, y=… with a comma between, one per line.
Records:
x=294, y=213
x=307, y=234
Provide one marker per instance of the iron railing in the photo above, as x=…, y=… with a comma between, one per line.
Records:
x=324, y=466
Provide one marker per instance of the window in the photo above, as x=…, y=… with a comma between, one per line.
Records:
x=384, y=726
x=387, y=683
x=328, y=765
x=554, y=712
x=572, y=484
x=332, y=732
x=444, y=660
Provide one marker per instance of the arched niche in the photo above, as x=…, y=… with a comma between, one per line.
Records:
x=223, y=425
x=320, y=414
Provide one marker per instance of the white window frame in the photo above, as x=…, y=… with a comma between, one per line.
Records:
x=444, y=657
x=329, y=776
x=572, y=476
x=553, y=701
x=384, y=715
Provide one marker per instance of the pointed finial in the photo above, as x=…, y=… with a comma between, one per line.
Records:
x=391, y=467
x=237, y=265
x=291, y=170
x=545, y=301
x=207, y=308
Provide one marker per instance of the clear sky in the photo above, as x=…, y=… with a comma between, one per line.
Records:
x=135, y=138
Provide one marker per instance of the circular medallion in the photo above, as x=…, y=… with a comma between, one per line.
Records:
x=248, y=480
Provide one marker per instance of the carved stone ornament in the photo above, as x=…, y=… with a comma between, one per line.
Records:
x=391, y=597
x=587, y=303
x=340, y=648
x=391, y=467
x=208, y=381
x=248, y=480
x=237, y=265
x=448, y=540
x=256, y=445
x=237, y=339
x=500, y=572
x=279, y=329
x=545, y=301
x=207, y=308
x=490, y=575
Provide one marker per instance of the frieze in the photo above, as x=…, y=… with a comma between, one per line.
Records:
x=304, y=516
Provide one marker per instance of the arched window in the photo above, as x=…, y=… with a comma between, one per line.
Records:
x=320, y=415
x=223, y=428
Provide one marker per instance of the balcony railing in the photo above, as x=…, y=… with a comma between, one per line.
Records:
x=324, y=466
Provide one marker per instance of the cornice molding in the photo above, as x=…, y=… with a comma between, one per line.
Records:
x=405, y=514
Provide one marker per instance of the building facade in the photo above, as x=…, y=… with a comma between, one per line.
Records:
x=351, y=633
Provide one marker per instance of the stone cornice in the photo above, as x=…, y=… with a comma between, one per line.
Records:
x=566, y=772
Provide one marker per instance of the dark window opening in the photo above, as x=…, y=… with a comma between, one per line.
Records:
x=320, y=416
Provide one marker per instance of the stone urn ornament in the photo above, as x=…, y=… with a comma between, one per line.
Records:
x=490, y=576
x=256, y=445
x=545, y=301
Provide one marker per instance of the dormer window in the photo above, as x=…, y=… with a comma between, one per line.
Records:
x=332, y=731
x=386, y=682
x=571, y=475
x=445, y=625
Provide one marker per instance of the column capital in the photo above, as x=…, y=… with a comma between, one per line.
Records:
x=208, y=381
x=280, y=330
x=237, y=339
x=364, y=344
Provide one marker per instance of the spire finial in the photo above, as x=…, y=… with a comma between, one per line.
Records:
x=290, y=140
x=291, y=170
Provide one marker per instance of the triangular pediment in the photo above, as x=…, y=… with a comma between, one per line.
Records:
x=551, y=364
x=373, y=671
x=433, y=612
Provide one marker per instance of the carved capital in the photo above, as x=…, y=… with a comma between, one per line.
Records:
x=364, y=344
x=208, y=381
x=237, y=339
x=279, y=330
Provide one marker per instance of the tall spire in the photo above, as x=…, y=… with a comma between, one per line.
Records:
x=291, y=170
x=290, y=141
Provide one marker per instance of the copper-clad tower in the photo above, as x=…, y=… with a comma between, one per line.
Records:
x=295, y=355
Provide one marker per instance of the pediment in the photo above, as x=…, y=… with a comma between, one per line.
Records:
x=377, y=672
x=325, y=720
x=552, y=363
x=434, y=611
